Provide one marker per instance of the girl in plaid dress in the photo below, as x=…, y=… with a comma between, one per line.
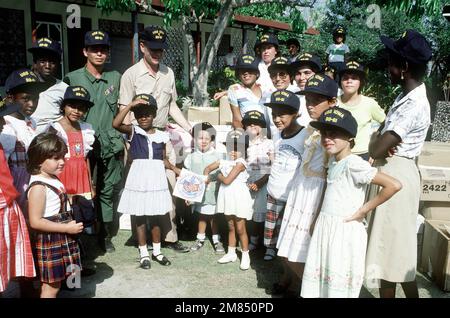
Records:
x=57, y=252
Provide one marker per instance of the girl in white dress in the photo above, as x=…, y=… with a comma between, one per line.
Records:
x=146, y=194
x=336, y=257
x=234, y=198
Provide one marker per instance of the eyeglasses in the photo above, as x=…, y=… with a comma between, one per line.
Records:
x=282, y=75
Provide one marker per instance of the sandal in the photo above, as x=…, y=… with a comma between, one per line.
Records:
x=270, y=254
x=164, y=261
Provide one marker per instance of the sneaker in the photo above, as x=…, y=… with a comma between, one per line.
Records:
x=178, y=247
x=197, y=245
x=218, y=247
x=245, y=261
x=228, y=258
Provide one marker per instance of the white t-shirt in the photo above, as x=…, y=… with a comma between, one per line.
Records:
x=243, y=97
x=264, y=78
x=337, y=52
x=304, y=118
x=288, y=156
x=48, y=108
x=230, y=59
x=52, y=201
x=258, y=158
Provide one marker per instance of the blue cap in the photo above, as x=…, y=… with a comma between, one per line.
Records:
x=151, y=102
x=24, y=80
x=339, y=30
x=412, y=46
x=46, y=46
x=8, y=108
x=254, y=117
x=78, y=93
x=96, y=37
x=268, y=38
x=337, y=118
x=246, y=62
x=283, y=98
x=154, y=37
x=279, y=63
x=353, y=67
x=322, y=85
x=310, y=60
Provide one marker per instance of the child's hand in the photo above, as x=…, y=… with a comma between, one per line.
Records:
x=358, y=216
x=188, y=203
x=253, y=187
x=136, y=102
x=392, y=151
x=74, y=228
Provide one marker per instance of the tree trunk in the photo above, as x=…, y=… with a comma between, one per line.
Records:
x=200, y=80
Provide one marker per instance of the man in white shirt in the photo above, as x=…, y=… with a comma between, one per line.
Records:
x=230, y=58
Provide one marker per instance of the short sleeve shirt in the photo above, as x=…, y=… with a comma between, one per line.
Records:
x=365, y=112
x=409, y=118
x=337, y=52
x=138, y=80
x=264, y=78
x=243, y=97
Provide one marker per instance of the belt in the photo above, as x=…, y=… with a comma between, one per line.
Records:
x=62, y=217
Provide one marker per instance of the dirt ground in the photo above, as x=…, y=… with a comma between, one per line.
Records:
x=191, y=275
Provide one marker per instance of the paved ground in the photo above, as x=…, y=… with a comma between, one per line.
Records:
x=194, y=274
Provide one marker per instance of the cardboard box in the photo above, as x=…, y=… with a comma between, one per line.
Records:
x=434, y=166
x=436, y=253
x=201, y=114
x=435, y=210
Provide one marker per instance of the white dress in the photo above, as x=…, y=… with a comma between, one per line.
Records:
x=234, y=199
x=259, y=165
x=336, y=259
x=303, y=199
x=146, y=190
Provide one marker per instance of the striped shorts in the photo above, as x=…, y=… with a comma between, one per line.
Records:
x=274, y=217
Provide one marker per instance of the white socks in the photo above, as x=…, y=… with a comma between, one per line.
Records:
x=201, y=236
x=231, y=250
x=245, y=261
x=216, y=238
x=143, y=252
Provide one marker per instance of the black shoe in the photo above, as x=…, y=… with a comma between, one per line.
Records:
x=164, y=261
x=85, y=272
x=178, y=247
x=109, y=246
x=145, y=263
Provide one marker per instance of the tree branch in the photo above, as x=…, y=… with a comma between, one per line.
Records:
x=144, y=5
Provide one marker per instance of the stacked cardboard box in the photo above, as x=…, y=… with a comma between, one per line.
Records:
x=434, y=166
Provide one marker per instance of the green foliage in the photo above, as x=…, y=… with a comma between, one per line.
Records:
x=108, y=6
x=413, y=8
x=176, y=9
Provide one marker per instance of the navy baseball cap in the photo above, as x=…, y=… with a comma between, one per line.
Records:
x=280, y=63
x=46, y=46
x=339, y=30
x=154, y=37
x=78, y=94
x=96, y=37
x=246, y=62
x=353, y=67
x=322, y=85
x=8, y=108
x=254, y=117
x=337, y=118
x=151, y=103
x=412, y=46
x=24, y=80
x=269, y=38
x=284, y=98
x=310, y=60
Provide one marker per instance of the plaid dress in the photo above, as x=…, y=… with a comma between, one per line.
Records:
x=57, y=254
x=16, y=258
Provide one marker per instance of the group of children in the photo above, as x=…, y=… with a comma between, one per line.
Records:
x=296, y=166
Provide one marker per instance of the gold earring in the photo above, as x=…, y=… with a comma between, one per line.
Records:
x=402, y=77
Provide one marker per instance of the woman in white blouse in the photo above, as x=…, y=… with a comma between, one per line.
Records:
x=392, y=248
